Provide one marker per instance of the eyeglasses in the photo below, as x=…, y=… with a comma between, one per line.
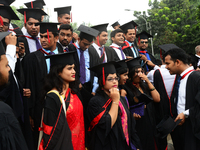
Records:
x=142, y=42
x=112, y=79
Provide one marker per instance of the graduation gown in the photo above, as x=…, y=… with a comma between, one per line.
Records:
x=146, y=125
x=16, y=29
x=102, y=136
x=11, y=137
x=35, y=69
x=56, y=131
x=191, y=127
x=127, y=49
x=110, y=53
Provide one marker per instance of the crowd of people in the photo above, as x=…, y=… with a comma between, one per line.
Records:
x=60, y=90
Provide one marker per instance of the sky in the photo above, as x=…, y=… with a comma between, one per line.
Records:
x=93, y=11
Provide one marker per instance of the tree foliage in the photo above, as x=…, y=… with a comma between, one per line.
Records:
x=172, y=21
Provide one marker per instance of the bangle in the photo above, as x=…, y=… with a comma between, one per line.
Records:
x=152, y=89
x=115, y=103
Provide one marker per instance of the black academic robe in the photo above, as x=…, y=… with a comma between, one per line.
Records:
x=35, y=69
x=11, y=137
x=110, y=53
x=102, y=136
x=166, y=105
x=191, y=127
x=146, y=125
x=59, y=137
x=127, y=49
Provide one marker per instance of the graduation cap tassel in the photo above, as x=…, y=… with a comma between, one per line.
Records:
x=104, y=82
x=161, y=53
x=48, y=35
x=1, y=21
x=98, y=41
x=25, y=17
x=31, y=4
x=139, y=40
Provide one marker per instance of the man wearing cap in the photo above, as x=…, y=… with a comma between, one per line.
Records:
x=88, y=83
x=116, y=25
x=117, y=41
x=142, y=46
x=36, y=68
x=30, y=38
x=186, y=102
x=10, y=132
x=63, y=14
x=129, y=46
x=106, y=54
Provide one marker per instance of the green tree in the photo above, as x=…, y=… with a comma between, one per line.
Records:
x=19, y=23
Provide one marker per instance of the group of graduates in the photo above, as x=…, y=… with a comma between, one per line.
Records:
x=60, y=90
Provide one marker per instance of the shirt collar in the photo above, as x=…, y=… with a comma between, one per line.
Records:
x=197, y=55
x=55, y=51
x=27, y=34
x=129, y=43
x=115, y=45
x=186, y=70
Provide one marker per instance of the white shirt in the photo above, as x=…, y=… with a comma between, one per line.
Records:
x=198, y=63
x=23, y=30
x=31, y=43
x=11, y=56
x=182, y=93
x=118, y=51
x=99, y=51
x=168, y=79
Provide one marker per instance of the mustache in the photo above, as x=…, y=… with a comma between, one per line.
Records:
x=65, y=40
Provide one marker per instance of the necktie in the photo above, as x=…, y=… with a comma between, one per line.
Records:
x=176, y=92
x=66, y=49
x=122, y=53
x=124, y=120
x=102, y=54
x=51, y=53
x=82, y=67
x=38, y=46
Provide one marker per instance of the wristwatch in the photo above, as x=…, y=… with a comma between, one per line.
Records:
x=186, y=115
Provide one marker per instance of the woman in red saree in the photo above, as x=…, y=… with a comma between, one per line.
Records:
x=63, y=121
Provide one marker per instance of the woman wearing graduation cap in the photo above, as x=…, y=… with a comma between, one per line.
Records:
x=111, y=124
x=63, y=122
x=142, y=94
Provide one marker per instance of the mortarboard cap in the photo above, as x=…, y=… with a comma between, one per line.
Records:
x=35, y=4
x=104, y=68
x=42, y=2
x=51, y=27
x=63, y=10
x=2, y=36
x=6, y=2
x=134, y=62
x=7, y=12
x=167, y=47
x=87, y=32
x=166, y=126
x=115, y=24
x=62, y=59
x=32, y=13
x=143, y=35
x=138, y=109
x=101, y=27
x=129, y=25
x=120, y=65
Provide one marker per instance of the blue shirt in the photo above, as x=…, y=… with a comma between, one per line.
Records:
x=133, y=50
x=87, y=65
x=48, y=60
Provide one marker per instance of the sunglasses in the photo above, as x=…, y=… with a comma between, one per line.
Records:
x=142, y=42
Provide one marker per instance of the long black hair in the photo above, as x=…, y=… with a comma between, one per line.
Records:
x=53, y=80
